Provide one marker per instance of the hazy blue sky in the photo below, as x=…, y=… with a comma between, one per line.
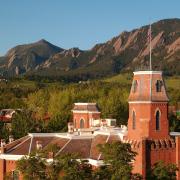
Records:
x=76, y=23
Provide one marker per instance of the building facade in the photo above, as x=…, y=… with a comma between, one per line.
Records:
x=84, y=115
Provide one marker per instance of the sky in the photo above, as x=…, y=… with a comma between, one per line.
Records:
x=77, y=23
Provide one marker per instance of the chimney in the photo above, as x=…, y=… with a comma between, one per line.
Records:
x=11, y=139
x=38, y=145
x=70, y=127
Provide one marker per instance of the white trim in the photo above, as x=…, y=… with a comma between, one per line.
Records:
x=62, y=135
x=146, y=102
x=18, y=145
x=96, y=162
x=79, y=103
x=30, y=145
x=157, y=109
x=11, y=156
x=43, y=134
x=18, y=157
x=147, y=72
x=175, y=133
x=108, y=132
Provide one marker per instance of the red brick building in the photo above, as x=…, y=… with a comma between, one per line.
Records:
x=84, y=114
x=148, y=122
x=148, y=130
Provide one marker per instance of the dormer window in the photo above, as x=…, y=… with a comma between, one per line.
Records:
x=159, y=85
x=134, y=86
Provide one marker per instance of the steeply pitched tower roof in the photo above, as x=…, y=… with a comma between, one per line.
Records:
x=148, y=86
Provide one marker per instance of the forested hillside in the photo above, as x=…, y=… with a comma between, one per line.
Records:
x=55, y=100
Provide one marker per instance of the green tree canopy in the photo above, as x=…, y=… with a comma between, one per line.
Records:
x=118, y=158
x=161, y=171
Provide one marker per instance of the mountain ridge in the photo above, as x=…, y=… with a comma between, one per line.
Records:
x=125, y=52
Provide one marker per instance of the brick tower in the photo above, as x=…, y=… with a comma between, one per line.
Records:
x=148, y=106
x=84, y=114
x=148, y=127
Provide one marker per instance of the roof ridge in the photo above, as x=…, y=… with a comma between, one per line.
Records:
x=63, y=147
x=18, y=145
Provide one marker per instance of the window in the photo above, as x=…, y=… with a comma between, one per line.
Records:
x=81, y=123
x=134, y=86
x=133, y=120
x=158, y=120
x=159, y=85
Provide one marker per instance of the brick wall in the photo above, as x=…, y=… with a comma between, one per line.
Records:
x=2, y=169
x=86, y=117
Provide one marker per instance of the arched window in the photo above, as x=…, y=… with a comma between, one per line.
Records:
x=133, y=120
x=81, y=123
x=158, y=120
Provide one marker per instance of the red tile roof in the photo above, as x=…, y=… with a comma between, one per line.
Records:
x=79, y=146
x=99, y=139
x=86, y=147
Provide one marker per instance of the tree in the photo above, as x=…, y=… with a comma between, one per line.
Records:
x=38, y=102
x=4, y=131
x=58, y=123
x=75, y=169
x=103, y=172
x=32, y=167
x=22, y=124
x=160, y=171
x=36, y=166
x=118, y=158
x=174, y=123
x=54, y=167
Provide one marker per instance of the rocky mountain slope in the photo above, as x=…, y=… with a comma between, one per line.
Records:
x=24, y=58
x=127, y=51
